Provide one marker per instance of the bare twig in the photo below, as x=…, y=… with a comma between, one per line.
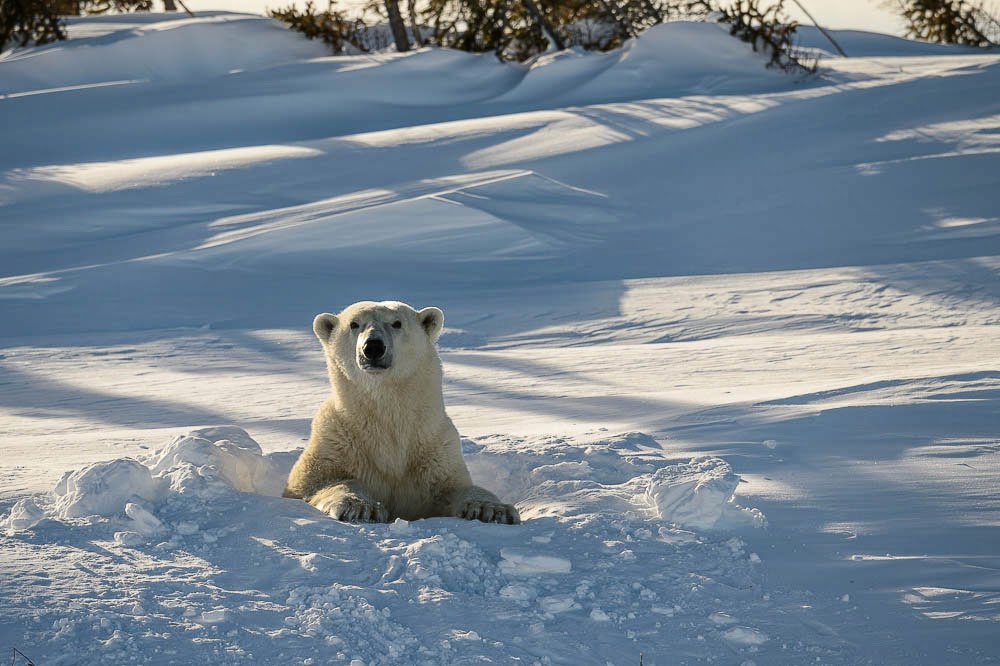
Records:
x=189, y=12
x=17, y=653
x=820, y=28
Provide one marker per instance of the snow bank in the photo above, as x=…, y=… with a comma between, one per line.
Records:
x=546, y=476
x=665, y=59
x=220, y=569
x=558, y=476
x=163, y=48
x=202, y=464
x=864, y=44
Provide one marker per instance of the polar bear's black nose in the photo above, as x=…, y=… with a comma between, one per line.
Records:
x=374, y=349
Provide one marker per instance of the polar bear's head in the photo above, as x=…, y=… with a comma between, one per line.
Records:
x=369, y=341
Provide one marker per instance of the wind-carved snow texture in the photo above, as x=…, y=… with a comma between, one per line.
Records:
x=188, y=554
x=823, y=325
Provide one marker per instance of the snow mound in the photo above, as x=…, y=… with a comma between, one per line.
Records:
x=864, y=44
x=219, y=567
x=201, y=464
x=624, y=473
x=104, y=489
x=25, y=513
x=698, y=494
x=225, y=453
x=163, y=48
x=546, y=476
x=669, y=58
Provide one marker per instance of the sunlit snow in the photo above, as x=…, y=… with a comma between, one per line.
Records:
x=727, y=337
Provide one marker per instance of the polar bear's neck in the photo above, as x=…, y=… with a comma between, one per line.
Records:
x=397, y=407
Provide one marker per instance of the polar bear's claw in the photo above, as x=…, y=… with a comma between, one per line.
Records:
x=357, y=510
x=488, y=512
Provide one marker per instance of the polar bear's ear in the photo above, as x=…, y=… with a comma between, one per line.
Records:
x=323, y=325
x=432, y=319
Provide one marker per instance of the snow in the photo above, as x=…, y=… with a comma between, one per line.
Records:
x=696, y=494
x=245, y=576
x=514, y=563
x=103, y=488
x=727, y=337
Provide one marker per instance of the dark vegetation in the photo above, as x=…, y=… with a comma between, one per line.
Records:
x=950, y=21
x=332, y=27
x=520, y=29
x=767, y=30
x=24, y=22
x=27, y=22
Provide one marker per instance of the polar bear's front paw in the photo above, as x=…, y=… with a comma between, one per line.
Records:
x=359, y=510
x=489, y=512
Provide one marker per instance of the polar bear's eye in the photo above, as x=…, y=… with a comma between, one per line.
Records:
x=397, y=324
x=354, y=325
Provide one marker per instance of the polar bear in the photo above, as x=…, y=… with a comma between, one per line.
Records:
x=382, y=446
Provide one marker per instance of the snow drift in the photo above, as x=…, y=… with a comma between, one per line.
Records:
x=308, y=584
x=541, y=474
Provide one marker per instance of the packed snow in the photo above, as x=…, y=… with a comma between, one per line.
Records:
x=727, y=337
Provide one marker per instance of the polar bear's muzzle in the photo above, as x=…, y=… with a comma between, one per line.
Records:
x=373, y=352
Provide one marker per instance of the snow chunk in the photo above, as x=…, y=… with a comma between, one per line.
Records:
x=518, y=592
x=104, y=488
x=721, y=618
x=214, y=616
x=744, y=637
x=557, y=603
x=361, y=631
x=399, y=526
x=227, y=452
x=143, y=521
x=206, y=463
x=697, y=494
x=24, y=515
x=518, y=563
x=597, y=615
x=129, y=539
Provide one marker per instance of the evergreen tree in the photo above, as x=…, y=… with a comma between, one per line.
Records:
x=521, y=29
x=950, y=22
x=26, y=22
x=397, y=25
x=765, y=29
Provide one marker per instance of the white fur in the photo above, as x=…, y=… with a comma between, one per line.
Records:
x=382, y=446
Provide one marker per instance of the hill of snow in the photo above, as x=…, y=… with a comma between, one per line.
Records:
x=728, y=338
